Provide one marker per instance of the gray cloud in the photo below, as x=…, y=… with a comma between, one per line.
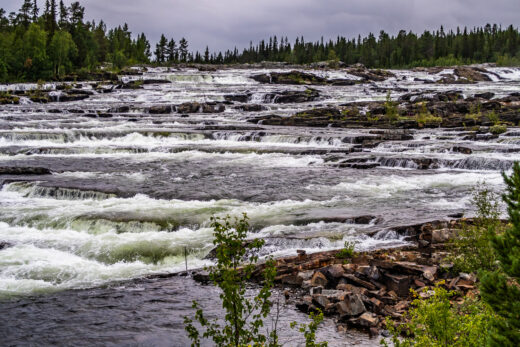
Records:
x=223, y=24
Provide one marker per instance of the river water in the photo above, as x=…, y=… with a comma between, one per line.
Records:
x=128, y=193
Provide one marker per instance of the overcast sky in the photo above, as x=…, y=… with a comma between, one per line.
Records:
x=223, y=24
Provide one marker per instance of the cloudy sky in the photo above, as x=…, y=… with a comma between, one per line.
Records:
x=223, y=24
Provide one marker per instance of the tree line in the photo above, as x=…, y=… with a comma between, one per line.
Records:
x=490, y=43
x=55, y=41
x=51, y=42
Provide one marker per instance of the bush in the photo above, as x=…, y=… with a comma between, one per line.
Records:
x=391, y=111
x=498, y=129
x=347, y=252
x=436, y=322
x=471, y=249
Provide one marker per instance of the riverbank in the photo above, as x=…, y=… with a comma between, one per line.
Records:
x=362, y=290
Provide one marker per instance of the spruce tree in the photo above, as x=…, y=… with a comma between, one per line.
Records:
x=500, y=289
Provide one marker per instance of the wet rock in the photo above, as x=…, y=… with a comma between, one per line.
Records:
x=291, y=96
x=4, y=245
x=189, y=107
x=460, y=149
x=213, y=108
x=291, y=279
x=202, y=277
x=352, y=279
x=471, y=74
x=120, y=109
x=163, y=109
x=24, y=171
x=251, y=108
x=486, y=95
x=238, y=97
x=156, y=81
x=291, y=77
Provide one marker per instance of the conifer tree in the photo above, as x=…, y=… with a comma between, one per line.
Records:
x=500, y=289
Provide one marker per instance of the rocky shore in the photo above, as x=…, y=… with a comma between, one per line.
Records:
x=361, y=291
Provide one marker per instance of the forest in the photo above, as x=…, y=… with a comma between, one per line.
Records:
x=55, y=41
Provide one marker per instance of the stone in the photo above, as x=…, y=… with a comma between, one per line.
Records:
x=165, y=109
x=291, y=279
x=319, y=279
x=351, y=288
x=202, y=277
x=357, y=281
x=335, y=271
x=351, y=306
x=320, y=301
x=367, y=320
x=441, y=235
x=399, y=284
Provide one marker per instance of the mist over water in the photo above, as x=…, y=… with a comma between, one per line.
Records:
x=127, y=194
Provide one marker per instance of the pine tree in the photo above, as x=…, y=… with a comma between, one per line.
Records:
x=160, y=50
x=171, y=52
x=64, y=16
x=35, y=11
x=206, y=55
x=183, y=49
x=500, y=289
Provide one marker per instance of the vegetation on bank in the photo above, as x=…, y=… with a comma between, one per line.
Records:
x=52, y=42
x=490, y=249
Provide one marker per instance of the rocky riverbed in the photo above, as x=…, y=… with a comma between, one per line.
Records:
x=111, y=181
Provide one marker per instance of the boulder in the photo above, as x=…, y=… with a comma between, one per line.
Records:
x=251, y=108
x=292, y=96
x=400, y=284
x=163, y=109
x=351, y=306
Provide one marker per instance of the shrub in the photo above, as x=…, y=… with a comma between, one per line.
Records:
x=471, y=249
x=501, y=288
x=498, y=129
x=435, y=322
x=391, y=111
x=347, y=252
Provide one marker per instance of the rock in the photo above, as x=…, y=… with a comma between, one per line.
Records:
x=486, y=95
x=460, y=149
x=366, y=320
x=471, y=74
x=156, y=81
x=351, y=306
x=400, y=284
x=335, y=271
x=238, y=97
x=189, y=107
x=319, y=279
x=351, y=288
x=164, y=109
x=292, y=77
x=4, y=245
x=320, y=301
x=291, y=279
x=24, y=171
x=120, y=109
x=352, y=279
x=202, y=277
x=251, y=108
x=292, y=96
x=213, y=107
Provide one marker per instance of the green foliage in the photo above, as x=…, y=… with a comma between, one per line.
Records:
x=493, y=118
x=498, y=129
x=244, y=317
x=36, y=47
x=425, y=117
x=471, y=249
x=309, y=330
x=436, y=322
x=391, y=111
x=500, y=289
x=348, y=251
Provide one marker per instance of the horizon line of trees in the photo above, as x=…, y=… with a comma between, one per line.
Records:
x=59, y=41
x=490, y=43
